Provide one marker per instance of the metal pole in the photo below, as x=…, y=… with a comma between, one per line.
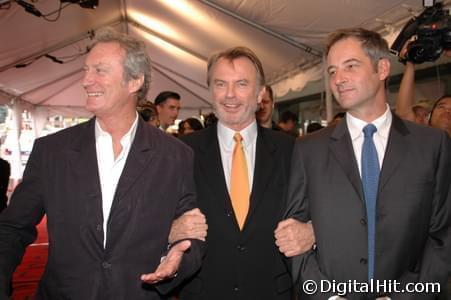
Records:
x=266, y=30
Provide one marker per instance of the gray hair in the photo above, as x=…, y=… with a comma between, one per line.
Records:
x=372, y=42
x=136, y=61
x=232, y=54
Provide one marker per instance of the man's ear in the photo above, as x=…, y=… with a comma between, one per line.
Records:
x=135, y=84
x=383, y=68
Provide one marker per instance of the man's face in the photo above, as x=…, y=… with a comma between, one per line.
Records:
x=264, y=114
x=421, y=115
x=290, y=125
x=168, y=111
x=441, y=116
x=234, y=91
x=352, y=76
x=187, y=128
x=107, y=93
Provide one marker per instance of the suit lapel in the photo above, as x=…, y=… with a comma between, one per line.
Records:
x=341, y=147
x=210, y=163
x=264, y=165
x=138, y=159
x=141, y=153
x=82, y=158
x=396, y=150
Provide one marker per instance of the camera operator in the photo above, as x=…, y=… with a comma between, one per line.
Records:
x=405, y=107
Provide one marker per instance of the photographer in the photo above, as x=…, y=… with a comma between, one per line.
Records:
x=405, y=107
x=423, y=38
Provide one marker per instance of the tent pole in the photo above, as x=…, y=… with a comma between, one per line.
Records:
x=184, y=87
x=65, y=76
x=178, y=45
x=124, y=14
x=266, y=30
x=329, y=103
x=16, y=155
x=160, y=66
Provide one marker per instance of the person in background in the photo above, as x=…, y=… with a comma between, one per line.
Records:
x=149, y=113
x=264, y=113
x=312, y=127
x=188, y=126
x=288, y=123
x=210, y=120
x=5, y=172
x=441, y=114
x=337, y=118
x=168, y=107
x=405, y=107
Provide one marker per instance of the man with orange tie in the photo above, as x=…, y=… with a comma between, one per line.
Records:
x=241, y=174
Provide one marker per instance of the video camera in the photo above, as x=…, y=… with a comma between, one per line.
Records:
x=84, y=3
x=433, y=35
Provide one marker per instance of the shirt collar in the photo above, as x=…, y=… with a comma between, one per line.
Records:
x=383, y=123
x=226, y=134
x=126, y=139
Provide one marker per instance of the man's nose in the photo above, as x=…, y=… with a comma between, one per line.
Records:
x=230, y=92
x=339, y=77
x=87, y=79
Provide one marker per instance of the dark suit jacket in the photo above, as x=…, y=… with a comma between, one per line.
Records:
x=5, y=172
x=241, y=264
x=61, y=180
x=413, y=207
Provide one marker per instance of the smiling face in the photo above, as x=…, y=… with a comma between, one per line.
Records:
x=236, y=94
x=107, y=92
x=356, y=82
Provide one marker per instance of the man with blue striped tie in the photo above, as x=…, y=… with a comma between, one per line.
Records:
x=375, y=188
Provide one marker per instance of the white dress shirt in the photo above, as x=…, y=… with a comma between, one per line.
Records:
x=227, y=144
x=110, y=169
x=380, y=137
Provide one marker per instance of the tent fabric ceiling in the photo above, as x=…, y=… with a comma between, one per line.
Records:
x=180, y=36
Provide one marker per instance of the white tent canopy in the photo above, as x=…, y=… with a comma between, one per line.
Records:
x=287, y=35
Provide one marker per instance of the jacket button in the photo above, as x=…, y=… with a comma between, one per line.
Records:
x=236, y=288
x=99, y=227
x=363, y=222
x=106, y=265
x=363, y=261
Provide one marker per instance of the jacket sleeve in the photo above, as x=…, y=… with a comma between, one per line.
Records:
x=192, y=259
x=434, y=266
x=18, y=221
x=305, y=270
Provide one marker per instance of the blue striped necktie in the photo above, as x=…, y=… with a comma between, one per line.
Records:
x=370, y=182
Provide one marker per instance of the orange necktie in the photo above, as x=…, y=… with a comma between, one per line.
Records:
x=239, y=182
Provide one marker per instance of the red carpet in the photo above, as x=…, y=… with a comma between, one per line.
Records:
x=29, y=272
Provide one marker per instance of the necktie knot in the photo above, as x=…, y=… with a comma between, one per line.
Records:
x=237, y=137
x=369, y=130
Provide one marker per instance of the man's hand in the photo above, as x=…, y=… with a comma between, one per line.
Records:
x=191, y=225
x=294, y=237
x=169, y=265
